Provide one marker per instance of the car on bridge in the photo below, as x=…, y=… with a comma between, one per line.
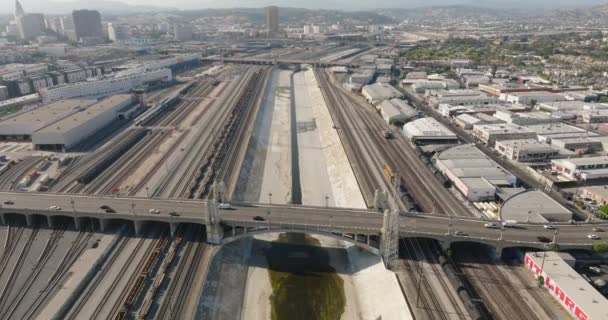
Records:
x=154, y=211
x=593, y=236
x=55, y=208
x=543, y=239
x=460, y=233
x=549, y=227
x=224, y=206
x=598, y=229
x=492, y=225
x=259, y=218
x=9, y=202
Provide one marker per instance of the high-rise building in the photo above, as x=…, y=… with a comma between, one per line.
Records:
x=182, y=32
x=116, y=33
x=272, y=19
x=29, y=25
x=67, y=23
x=19, y=12
x=87, y=23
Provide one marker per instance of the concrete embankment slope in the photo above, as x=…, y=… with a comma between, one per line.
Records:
x=344, y=187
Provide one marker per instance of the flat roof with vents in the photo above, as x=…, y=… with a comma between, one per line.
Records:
x=26, y=122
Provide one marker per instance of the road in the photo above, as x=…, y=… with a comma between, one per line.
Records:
x=311, y=218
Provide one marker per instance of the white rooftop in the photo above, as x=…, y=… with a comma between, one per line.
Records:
x=427, y=127
x=584, y=295
x=534, y=204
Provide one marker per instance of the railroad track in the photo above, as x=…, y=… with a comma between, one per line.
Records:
x=497, y=292
x=75, y=250
x=12, y=177
x=88, y=292
x=7, y=289
x=182, y=175
x=356, y=141
x=429, y=194
x=43, y=258
x=178, y=287
x=432, y=307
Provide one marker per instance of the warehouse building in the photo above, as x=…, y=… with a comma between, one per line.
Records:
x=490, y=133
x=21, y=126
x=600, y=116
x=378, y=92
x=467, y=120
x=428, y=131
x=546, y=132
x=396, y=111
x=527, y=150
x=528, y=97
x=581, y=168
x=474, y=174
x=567, y=286
x=104, y=87
x=525, y=118
x=81, y=123
x=534, y=206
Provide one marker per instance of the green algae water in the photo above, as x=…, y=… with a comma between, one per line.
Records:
x=304, y=285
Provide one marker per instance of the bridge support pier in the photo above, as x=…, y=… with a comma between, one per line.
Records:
x=498, y=252
x=2, y=220
x=29, y=220
x=49, y=222
x=103, y=224
x=214, y=233
x=173, y=227
x=138, y=227
x=446, y=245
x=77, y=223
x=367, y=239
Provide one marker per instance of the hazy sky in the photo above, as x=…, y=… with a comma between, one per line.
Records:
x=54, y=5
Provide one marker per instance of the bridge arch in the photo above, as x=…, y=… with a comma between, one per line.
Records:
x=371, y=241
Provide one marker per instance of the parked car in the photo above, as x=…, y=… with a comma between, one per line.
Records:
x=492, y=225
x=224, y=206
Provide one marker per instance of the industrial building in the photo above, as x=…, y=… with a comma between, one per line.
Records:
x=467, y=120
x=20, y=126
x=428, y=131
x=460, y=98
x=81, y=124
x=528, y=97
x=396, y=111
x=546, y=132
x=473, y=173
x=378, y=92
x=527, y=150
x=104, y=87
x=525, y=118
x=567, y=286
x=581, y=168
x=599, y=116
x=490, y=133
x=534, y=206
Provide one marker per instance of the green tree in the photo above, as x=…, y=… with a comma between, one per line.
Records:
x=600, y=247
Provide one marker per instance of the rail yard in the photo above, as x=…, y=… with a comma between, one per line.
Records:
x=193, y=139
